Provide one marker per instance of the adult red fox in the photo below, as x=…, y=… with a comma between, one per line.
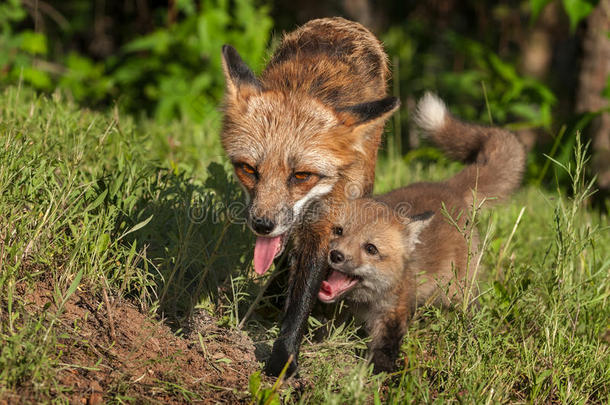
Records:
x=303, y=134
x=394, y=252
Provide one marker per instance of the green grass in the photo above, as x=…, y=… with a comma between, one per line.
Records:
x=100, y=202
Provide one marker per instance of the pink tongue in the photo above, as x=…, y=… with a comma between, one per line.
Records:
x=334, y=285
x=264, y=253
x=326, y=290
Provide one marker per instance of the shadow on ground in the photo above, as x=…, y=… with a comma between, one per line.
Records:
x=196, y=238
x=199, y=249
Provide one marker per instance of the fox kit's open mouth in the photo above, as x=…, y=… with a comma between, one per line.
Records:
x=336, y=285
x=266, y=250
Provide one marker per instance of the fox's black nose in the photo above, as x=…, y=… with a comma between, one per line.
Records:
x=262, y=225
x=336, y=256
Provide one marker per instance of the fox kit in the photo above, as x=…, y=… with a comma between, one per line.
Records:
x=396, y=251
x=304, y=134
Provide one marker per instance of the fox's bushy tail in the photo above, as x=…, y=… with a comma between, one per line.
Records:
x=495, y=157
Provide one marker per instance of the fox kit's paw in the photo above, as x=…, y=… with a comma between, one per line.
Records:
x=279, y=357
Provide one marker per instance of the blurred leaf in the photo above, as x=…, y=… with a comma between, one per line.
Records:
x=606, y=92
x=254, y=383
x=501, y=291
x=36, y=78
x=466, y=82
x=577, y=10
x=536, y=7
x=505, y=70
x=12, y=10
x=186, y=6
x=33, y=42
x=526, y=111
x=102, y=243
x=85, y=79
x=158, y=42
x=425, y=153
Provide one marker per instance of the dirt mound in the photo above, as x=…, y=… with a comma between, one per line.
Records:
x=112, y=349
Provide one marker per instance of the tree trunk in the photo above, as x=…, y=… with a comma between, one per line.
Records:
x=592, y=81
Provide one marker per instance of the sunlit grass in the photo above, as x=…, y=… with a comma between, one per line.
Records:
x=136, y=210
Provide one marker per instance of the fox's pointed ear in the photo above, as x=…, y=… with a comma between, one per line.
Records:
x=415, y=224
x=369, y=113
x=239, y=77
x=423, y=217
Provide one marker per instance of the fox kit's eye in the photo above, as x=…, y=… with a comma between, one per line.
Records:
x=371, y=249
x=337, y=230
x=247, y=169
x=301, y=176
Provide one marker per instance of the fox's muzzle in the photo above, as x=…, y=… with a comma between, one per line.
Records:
x=262, y=225
x=335, y=256
x=268, y=222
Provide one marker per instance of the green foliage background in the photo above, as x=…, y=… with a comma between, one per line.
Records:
x=169, y=68
x=171, y=72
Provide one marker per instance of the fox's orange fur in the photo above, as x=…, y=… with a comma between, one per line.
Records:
x=305, y=133
x=397, y=251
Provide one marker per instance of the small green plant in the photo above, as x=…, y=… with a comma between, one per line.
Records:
x=260, y=395
x=266, y=396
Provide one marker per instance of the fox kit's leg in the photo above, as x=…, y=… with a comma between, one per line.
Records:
x=387, y=334
x=307, y=271
x=387, y=326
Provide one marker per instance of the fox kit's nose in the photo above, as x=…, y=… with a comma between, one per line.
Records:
x=262, y=225
x=336, y=256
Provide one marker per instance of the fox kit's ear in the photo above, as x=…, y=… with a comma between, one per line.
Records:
x=369, y=113
x=413, y=228
x=241, y=80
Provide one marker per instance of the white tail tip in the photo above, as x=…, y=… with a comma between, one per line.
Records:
x=430, y=112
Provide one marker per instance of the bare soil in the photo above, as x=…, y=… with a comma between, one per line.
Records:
x=111, y=348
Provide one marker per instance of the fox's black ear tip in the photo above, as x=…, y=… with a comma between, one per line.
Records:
x=374, y=109
x=237, y=70
x=423, y=216
x=387, y=104
x=393, y=102
x=228, y=50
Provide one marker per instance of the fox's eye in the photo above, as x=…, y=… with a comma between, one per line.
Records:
x=371, y=249
x=248, y=169
x=301, y=176
x=337, y=230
